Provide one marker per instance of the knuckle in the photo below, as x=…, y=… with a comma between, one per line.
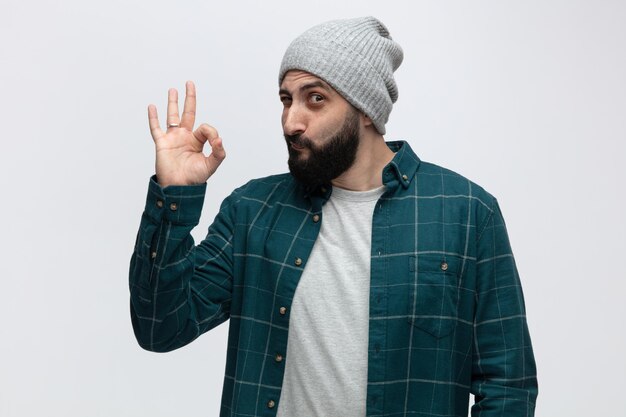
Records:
x=209, y=129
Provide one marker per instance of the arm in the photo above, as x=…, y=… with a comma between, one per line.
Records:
x=504, y=380
x=179, y=290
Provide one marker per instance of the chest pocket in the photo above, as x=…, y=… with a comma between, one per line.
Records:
x=434, y=293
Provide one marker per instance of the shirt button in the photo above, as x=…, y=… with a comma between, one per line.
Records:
x=283, y=311
x=298, y=262
x=271, y=404
x=278, y=357
x=323, y=190
x=159, y=203
x=173, y=206
x=404, y=177
x=153, y=255
x=316, y=218
x=444, y=266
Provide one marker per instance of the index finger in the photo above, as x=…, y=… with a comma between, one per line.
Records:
x=189, y=111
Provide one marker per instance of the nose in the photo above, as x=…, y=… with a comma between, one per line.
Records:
x=294, y=120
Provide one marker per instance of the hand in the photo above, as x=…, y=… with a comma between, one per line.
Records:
x=179, y=157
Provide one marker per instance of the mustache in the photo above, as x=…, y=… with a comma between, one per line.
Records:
x=299, y=140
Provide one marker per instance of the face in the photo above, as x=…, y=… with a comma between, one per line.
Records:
x=321, y=129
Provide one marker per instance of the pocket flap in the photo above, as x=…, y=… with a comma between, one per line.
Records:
x=435, y=263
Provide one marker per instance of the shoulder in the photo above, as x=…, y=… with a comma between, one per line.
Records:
x=266, y=185
x=267, y=190
x=434, y=179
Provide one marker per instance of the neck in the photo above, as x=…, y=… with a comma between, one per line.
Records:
x=366, y=172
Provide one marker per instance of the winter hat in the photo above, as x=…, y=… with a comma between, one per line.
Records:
x=357, y=57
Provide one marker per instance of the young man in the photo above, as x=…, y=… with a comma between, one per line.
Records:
x=363, y=282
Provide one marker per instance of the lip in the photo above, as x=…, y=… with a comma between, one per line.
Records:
x=296, y=146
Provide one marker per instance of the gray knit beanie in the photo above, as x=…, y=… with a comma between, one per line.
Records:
x=357, y=57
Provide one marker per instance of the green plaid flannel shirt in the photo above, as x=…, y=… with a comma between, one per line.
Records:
x=447, y=315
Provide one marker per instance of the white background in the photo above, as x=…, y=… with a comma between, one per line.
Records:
x=526, y=98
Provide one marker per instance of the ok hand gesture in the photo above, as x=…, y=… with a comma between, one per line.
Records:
x=179, y=156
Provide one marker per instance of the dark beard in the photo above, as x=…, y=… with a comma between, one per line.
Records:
x=328, y=161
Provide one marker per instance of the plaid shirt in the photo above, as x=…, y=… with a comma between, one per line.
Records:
x=447, y=314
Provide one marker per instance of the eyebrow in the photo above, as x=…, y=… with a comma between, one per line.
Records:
x=308, y=86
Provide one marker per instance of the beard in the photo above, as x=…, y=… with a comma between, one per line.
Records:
x=327, y=161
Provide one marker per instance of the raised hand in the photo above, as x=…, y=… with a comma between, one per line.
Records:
x=179, y=156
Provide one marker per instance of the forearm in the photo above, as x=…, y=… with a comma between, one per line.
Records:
x=504, y=381
x=166, y=309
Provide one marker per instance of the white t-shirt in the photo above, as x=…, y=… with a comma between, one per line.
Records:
x=326, y=358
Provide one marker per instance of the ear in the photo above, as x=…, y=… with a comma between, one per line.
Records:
x=365, y=120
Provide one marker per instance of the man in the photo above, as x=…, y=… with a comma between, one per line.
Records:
x=363, y=282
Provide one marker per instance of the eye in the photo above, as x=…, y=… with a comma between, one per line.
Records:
x=316, y=98
x=286, y=100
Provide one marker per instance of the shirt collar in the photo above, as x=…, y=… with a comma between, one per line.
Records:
x=399, y=171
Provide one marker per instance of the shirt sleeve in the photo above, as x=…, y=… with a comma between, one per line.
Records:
x=504, y=380
x=179, y=290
